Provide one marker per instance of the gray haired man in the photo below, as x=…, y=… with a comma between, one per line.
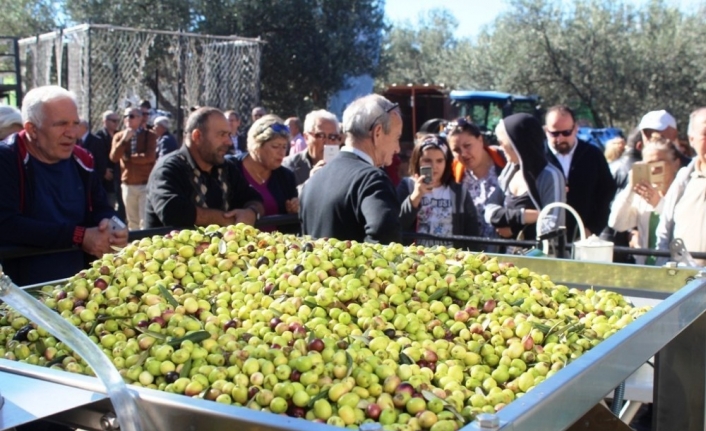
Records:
x=350, y=197
x=320, y=129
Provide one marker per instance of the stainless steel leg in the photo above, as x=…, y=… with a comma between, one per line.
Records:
x=680, y=381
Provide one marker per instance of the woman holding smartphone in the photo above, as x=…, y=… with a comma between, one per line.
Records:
x=432, y=202
x=637, y=208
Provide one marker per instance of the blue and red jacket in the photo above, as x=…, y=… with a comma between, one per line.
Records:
x=17, y=195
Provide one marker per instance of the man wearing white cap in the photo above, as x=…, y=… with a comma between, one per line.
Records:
x=685, y=203
x=661, y=122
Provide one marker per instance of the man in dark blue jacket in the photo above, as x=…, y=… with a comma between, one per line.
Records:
x=51, y=198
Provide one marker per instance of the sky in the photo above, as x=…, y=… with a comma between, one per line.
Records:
x=473, y=14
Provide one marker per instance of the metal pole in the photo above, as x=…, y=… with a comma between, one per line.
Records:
x=18, y=72
x=88, y=70
x=156, y=84
x=180, y=109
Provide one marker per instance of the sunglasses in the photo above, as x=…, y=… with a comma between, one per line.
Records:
x=331, y=136
x=132, y=116
x=563, y=133
x=387, y=111
x=113, y=120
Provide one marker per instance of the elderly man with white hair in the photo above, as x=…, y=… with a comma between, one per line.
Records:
x=320, y=129
x=685, y=202
x=51, y=197
x=166, y=142
x=351, y=198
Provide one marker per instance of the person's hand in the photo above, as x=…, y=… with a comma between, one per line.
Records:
x=118, y=238
x=108, y=175
x=420, y=189
x=504, y=232
x=246, y=216
x=292, y=206
x=316, y=167
x=634, y=239
x=129, y=133
x=97, y=240
x=649, y=193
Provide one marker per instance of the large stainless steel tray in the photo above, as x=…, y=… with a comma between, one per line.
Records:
x=675, y=330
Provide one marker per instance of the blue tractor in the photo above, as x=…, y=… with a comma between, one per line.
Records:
x=487, y=108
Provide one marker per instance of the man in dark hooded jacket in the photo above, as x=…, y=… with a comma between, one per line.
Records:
x=527, y=184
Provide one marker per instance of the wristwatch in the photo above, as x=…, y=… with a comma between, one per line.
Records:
x=257, y=213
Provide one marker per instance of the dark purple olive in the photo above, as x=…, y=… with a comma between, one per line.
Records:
x=171, y=377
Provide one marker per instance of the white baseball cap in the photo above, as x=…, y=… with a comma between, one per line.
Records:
x=657, y=120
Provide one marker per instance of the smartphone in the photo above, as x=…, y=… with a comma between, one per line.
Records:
x=116, y=224
x=640, y=173
x=425, y=171
x=331, y=151
x=651, y=173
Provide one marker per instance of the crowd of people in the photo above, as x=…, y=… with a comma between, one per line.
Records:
x=61, y=184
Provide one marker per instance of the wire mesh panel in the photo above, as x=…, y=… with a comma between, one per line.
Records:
x=110, y=68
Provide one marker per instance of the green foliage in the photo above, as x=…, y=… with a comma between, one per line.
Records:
x=23, y=18
x=312, y=46
x=613, y=59
x=425, y=53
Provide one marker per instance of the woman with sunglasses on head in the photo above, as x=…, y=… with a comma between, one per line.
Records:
x=268, y=139
x=432, y=202
x=527, y=184
x=476, y=166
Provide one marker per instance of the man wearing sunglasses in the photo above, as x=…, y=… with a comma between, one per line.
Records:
x=589, y=182
x=351, y=198
x=135, y=148
x=320, y=129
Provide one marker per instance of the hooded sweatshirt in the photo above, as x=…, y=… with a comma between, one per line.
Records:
x=545, y=183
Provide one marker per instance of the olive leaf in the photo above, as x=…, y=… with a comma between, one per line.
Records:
x=349, y=360
x=152, y=334
x=185, y=369
x=168, y=296
x=405, y=359
x=360, y=271
x=459, y=272
x=438, y=294
x=448, y=407
x=517, y=303
x=362, y=339
x=40, y=346
x=320, y=395
x=195, y=337
x=222, y=247
x=57, y=360
x=310, y=304
x=143, y=357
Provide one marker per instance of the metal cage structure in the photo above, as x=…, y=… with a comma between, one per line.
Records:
x=110, y=68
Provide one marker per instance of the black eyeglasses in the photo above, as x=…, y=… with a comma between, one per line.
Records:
x=387, y=111
x=564, y=133
x=113, y=120
x=330, y=136
x=132, y=116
